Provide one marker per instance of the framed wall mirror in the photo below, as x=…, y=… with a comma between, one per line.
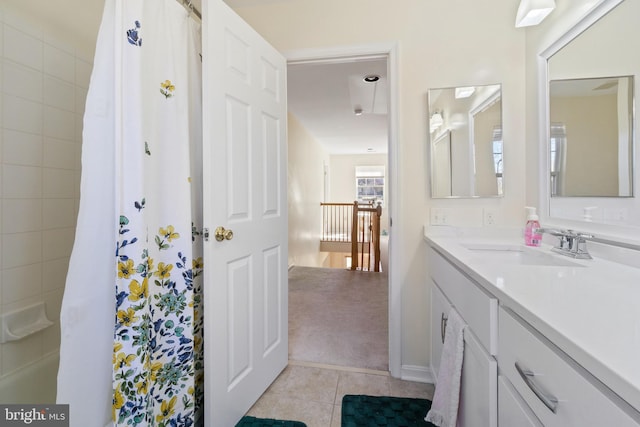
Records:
x=591, y=137
x=466, y=146
x=591, y=147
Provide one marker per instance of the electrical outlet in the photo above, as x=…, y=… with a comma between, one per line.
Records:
x=489, y=217
x=439, y=216
x=435, y=216
x=616, y=215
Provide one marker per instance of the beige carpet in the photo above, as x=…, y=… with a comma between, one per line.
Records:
x=339, y=317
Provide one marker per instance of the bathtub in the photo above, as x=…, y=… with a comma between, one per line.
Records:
x=34, y=383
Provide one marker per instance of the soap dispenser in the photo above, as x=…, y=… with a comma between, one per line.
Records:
x=531, y=236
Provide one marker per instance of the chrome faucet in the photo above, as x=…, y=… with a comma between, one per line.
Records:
x=571, y=243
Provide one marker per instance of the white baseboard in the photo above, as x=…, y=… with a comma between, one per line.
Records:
x=420, y=374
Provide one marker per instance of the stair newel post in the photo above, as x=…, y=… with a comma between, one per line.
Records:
x=376, y=237
x=354, y=237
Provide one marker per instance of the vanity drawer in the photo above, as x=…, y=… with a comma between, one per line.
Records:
x=512, y=410
x=478, y=308
x=557, y=392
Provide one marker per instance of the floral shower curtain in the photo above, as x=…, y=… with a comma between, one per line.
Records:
x=131, y=321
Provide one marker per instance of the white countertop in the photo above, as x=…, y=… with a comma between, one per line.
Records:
x=591, y=312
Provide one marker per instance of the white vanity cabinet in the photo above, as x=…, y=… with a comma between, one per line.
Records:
x=526, y=353
x=557, y=390
x=479, y=389
x=512, y=409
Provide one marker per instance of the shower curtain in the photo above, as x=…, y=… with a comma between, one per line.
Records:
x=131, y=320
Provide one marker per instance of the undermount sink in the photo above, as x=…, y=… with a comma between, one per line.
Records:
x=513, y=254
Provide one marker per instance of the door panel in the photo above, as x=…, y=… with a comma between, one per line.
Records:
x=272, y=303
x=271, y=166
x=238, y=145
x=239, y=319
x=244, y=155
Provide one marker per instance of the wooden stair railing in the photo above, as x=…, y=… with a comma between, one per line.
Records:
x=362, y=230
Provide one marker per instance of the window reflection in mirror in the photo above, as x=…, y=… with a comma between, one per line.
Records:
x=591, y=137
x=465, y=125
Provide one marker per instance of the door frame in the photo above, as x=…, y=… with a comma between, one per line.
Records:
x=388, y=51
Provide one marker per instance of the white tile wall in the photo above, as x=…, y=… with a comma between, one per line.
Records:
x=58, y=213
x=21, y=148
x=22, y=81
x=60, y=154
x=57, y=243
x=19, y=249
x=22, y=114
x=83, y=73
x=58, y=63
x=60, y=94
x=54, y=273
x=21, y=282
x=21, y=182
x=51, y=335
x=58, y=183
x=43, y=88
x=16, y=354
x=23, y=48
x=2, y=137
x=21, y=215
x=59, y=123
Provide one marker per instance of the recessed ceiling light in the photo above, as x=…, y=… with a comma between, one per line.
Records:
x=370, y=150
x=371, y=78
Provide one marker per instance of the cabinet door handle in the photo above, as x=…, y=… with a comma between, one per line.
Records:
x=549, y=400
x=443, y=325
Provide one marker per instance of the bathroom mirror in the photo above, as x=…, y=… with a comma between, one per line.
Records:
x=592, y=88
x=591, y=130
x=466, y=147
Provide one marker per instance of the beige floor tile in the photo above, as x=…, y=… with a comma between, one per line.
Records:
x=283, y=407
x=400, y=388
x=336, y=420
x=313, y=394
x=314, y=384
x=357, y=383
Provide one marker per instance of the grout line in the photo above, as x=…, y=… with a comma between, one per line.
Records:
x=338, y=368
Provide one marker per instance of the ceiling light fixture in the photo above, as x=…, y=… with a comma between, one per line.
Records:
x=532, y=12
x=464, y=92
x=371, y=78
x=357, y=111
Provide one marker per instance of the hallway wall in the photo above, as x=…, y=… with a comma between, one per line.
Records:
x=342, y=175
x=306, y=190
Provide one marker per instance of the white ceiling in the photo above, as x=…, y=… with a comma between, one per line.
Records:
x=321, y=96
x=324, y=97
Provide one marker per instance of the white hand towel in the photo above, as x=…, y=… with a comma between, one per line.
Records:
x=444, y=408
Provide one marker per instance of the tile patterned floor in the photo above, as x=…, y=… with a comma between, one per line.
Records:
x=312, y=393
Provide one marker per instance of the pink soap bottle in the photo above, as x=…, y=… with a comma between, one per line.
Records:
x=531, y=236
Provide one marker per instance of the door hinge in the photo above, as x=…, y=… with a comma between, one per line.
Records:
x=205, y=234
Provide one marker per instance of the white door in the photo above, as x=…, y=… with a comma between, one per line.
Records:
x=244, y=155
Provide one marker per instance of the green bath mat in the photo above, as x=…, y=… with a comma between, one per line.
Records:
x=374, y=411
x=267, y=422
